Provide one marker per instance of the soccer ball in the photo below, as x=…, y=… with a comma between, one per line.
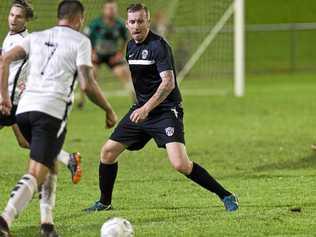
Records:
x=117, y=227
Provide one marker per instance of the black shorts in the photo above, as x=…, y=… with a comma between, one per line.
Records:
x=8, y=120
x=164, y=128
x=40, y=130
x=112, y=60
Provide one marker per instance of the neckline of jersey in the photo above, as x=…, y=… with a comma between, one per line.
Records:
x=19, y=32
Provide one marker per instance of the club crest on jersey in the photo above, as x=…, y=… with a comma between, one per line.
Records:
x=144, y=54
x=169, y=131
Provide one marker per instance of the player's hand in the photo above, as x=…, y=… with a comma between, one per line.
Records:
x=5, y=105
x=111, y=119
x=139, y=115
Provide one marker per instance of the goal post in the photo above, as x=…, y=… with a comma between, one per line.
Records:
x=235, y=10
x=239, y=47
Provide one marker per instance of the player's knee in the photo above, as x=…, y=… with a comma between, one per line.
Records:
x=108, y=155
x=39, y=179
x=182, y=167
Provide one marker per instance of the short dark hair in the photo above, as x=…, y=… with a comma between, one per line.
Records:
x=26, y=6
x=135, y=7
x=68, y=9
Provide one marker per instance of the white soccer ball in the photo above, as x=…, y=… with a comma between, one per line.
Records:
x=117, y=227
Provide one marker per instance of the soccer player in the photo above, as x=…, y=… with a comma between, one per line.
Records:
x=20, y=13
x=43, y=110
x=108, y=36
x=158, y=113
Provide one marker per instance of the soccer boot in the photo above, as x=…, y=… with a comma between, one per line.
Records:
x=4, y=229
x=48, y=230
x=98, y=206
x=231, y=203
x=74, y=167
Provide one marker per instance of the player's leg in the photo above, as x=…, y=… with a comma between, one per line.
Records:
x=107, y=175
x=121, y=71
x=22, y=194
x=71, y=160
x=179, y=160
x=127, y=135
x=47, y=203
x=39, y=129
x=168, y=131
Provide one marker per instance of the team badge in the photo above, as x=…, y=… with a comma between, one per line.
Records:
x=144, y=54
x=169, y=131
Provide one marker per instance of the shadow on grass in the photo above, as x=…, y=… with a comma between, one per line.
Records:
x=306, y=162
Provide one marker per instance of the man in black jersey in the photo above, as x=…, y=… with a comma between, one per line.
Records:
x=158, y=113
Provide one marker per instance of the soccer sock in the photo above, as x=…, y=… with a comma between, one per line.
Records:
x=47, y=198
x=20, y=196
x=107, y=176
x=63, y=157
x=200, y=176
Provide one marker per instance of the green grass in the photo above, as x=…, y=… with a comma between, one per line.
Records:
x=257, y=146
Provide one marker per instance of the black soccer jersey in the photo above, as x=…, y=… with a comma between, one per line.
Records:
x=146, y=60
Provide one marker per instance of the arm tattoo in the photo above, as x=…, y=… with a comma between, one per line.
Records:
x=85, y=74
x=167, y=84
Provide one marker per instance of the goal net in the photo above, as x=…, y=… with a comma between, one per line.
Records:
x=206, y=35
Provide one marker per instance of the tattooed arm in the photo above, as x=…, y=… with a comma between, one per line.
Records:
x=89, y=85
x=165, y=88
x=14, y=54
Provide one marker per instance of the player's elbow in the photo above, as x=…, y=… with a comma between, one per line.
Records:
x=88, y=87
x=170, y=85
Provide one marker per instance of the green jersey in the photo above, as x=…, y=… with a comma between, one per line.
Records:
x=105, y=39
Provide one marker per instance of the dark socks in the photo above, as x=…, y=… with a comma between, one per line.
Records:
x=107, y=176
x=200, y=176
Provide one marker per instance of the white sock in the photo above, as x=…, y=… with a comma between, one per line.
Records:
x=47, y=198
x=20, y=196
x=63, y=157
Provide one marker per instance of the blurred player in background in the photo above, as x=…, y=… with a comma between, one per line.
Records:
x=109, y=36
x=43, y=109
x=20, y=13
x=158, y=114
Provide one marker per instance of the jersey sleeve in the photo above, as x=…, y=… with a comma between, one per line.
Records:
x=84, y=53
x=163, y=57
x=25, y=43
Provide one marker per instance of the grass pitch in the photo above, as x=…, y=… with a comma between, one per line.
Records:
x=257, y=146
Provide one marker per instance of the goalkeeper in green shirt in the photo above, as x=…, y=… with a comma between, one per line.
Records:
x=109, y=36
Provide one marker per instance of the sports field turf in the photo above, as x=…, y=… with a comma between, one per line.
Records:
x=258, y=146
